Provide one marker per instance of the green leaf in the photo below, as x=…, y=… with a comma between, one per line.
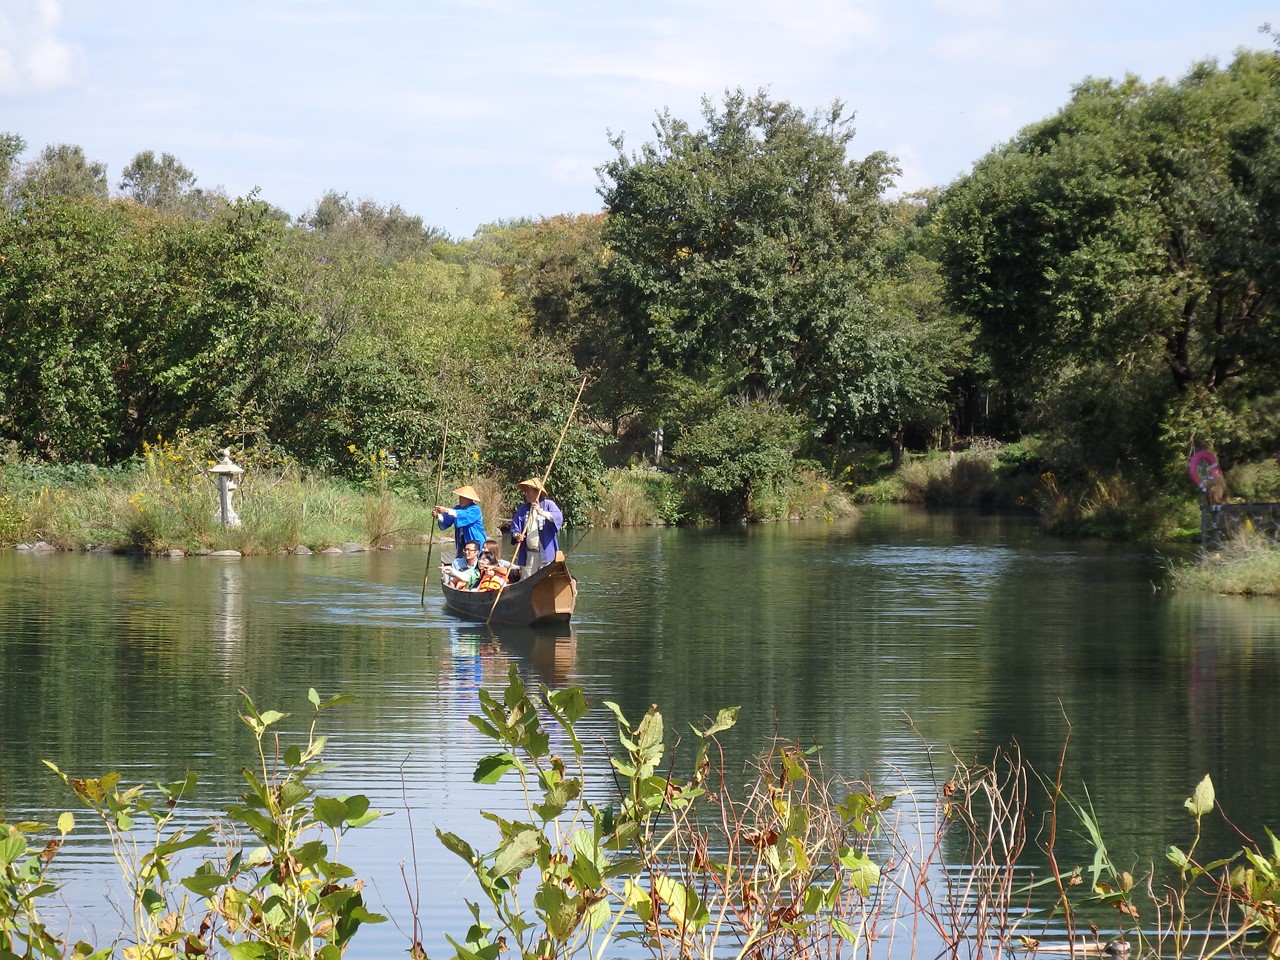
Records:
x=293, y=793
x=455, y=843
x=271, y=716
x=492, y=769
x=204, y=884
x=1176, y=857
x=863, y=871
x=517, y=853
x=152, y=902
x=683, y=905
x=12, y=846
x=313, y=697
x=330, y=811
x=570, y=703
x=1203, y=800
x=251, y=950
x=844, y=931
x=725, y=720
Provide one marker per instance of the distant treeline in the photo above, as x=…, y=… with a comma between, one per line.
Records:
x=1105, y=283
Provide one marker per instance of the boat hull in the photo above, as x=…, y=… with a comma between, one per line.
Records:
x=546, y=597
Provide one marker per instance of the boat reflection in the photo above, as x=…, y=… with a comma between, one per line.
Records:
x=551, y=650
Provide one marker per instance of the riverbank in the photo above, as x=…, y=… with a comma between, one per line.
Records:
x=168, y=503
x=1248, y=566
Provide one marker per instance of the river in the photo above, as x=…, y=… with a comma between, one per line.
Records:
x=889, y=640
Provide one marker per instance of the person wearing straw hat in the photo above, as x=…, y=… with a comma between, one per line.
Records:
x=465, y=518
x=536, y=527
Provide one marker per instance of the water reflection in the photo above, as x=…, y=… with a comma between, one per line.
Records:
x=228, y=626
x=551, y=650
x=879, y=640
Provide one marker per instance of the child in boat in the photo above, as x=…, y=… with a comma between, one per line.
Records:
x=492, y=575
x=492, y=551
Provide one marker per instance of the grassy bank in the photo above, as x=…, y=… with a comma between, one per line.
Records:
x=1246, y=566
x=643, y=496
x=996, y=476
x=168, y=501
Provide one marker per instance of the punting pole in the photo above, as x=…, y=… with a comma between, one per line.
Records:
x=497, y=594
x=431, y=540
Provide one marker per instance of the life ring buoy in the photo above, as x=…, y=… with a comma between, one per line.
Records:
x=1203, y=467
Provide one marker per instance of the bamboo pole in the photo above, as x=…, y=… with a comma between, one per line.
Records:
x=545, y=477
x=431, y=541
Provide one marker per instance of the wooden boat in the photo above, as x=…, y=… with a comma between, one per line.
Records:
x=546, y=597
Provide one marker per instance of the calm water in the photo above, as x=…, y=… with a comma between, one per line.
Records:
x=878, y=639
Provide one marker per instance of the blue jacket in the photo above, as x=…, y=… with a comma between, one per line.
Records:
x=467, y=525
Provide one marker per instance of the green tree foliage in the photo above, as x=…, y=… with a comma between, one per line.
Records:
x=388, y=234
x=117, y=323
x=739, y=461
x=11, y=147
x=527, y=403
x=553, y=271
x=162, y=183
x=60, y=170
x=396, y=349
x=750, y=246
x=1120, y=259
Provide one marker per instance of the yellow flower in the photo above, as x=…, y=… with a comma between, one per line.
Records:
x=351, y=447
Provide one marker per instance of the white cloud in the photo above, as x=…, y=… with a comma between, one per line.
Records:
x=32, y=55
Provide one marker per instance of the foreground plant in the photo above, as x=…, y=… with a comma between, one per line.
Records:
x=285, y=897
x=677, y=866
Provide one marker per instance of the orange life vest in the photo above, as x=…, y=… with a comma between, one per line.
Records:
x=492, y=580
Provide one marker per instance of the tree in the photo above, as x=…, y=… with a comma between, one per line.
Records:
x=11, y=147
x=1120, y=260
x=388, y=234
x=118, y=323
x=750, y=246
x=552, y=271
x=156, y=183
x=59, y=171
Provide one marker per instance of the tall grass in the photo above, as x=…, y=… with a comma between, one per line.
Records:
x=170, y=502
x=1247, y=565
x=637, y=497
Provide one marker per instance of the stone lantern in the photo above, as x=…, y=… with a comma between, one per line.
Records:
x=226, y=471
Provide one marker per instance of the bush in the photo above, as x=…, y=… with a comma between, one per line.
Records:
x=740, y=462
x=1254, y=482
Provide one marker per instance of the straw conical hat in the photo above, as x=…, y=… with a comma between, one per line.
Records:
x=533, y=484
x=469, y=492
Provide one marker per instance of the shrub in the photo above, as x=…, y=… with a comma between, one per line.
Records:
x=740, y=461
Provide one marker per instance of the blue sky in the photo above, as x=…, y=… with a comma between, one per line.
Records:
x=469, y=111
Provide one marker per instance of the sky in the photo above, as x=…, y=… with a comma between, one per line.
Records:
x=467, y=112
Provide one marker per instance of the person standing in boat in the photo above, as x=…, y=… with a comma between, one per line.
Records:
x=536, y=527
x=465, y=518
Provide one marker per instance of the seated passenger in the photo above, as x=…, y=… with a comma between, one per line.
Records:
x=492, y=575
x=464, y=572
x=492, y=551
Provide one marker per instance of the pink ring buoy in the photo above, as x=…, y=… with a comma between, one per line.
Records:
x=1203, y=467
